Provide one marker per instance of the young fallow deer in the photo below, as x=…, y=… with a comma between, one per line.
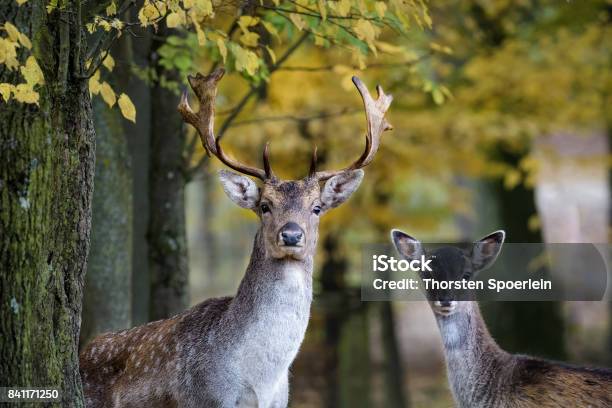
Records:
x=229, y=352
x=480, y=373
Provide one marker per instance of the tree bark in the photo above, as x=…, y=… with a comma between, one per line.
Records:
x=166, y=234
x=108, y=289
x=47, y=156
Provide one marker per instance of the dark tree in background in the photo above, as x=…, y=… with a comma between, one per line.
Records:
x=166, y=236
x=524, y=327
x=46, y=181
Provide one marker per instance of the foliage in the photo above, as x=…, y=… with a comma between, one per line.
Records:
x=248, y=47
x=10, y=43
x=548, y=72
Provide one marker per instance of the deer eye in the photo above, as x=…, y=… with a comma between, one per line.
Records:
x=316, y=210
x=265, y=208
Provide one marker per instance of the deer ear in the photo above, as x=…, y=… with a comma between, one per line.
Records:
x=339, y=188
x=486, y=250
x=240, y=189
x=407, y=246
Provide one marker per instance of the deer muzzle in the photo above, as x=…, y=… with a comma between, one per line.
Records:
x=291, y=235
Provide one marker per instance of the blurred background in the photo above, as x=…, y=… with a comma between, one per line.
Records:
x=502, y=119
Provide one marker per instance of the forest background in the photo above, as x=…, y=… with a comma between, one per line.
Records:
x=502, y=120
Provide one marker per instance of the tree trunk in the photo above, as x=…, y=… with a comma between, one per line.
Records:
x=354, y=373
x=108, y=289
x=211, y=243
x=166, y=234
x=394, y=374
x=524, y=327
x=138, y=137
x=46, y=183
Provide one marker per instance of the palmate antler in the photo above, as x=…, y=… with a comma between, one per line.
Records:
x=205, y=88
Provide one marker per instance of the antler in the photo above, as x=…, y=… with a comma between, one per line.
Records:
x=205, y=88
x=375, y=115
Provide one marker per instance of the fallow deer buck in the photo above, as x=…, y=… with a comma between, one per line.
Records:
x=480, y=373
x=229, y=352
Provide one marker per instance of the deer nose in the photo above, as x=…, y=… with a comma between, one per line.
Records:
x=443, y=303
x=291, y=234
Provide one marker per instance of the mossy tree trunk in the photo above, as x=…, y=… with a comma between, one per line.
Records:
x=46, y=183
x=166, y=234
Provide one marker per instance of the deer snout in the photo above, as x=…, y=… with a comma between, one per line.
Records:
x=291, y=234
x=444, y=307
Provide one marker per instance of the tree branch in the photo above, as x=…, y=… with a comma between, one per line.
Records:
x=102, y=45
x=355, y=67
x=332, y=40
x=298, y=119
x=253, y=91
x=238, y=108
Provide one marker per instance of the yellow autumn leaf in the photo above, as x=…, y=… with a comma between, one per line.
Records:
x=127, y=107
x=222, y=48
x=26, y=94
x=343, y=7
x=297, y=21
x=111, y=10
x=20, y=2
x=8, y=53
x=389, y=48
x=512, y=179
x=427, y=18
x=32, y=73
x=246, y=60
x=187, y=4
x=25, y=41
x=147, y=13
x=200, y=34
x=106, y=26
x=534, y=223
x=5, y=91
x=249, y=39
x=108, y=94
x=109, y=62
x=244, y=22
x=438, y=96
x=271, y=29
x=381, y=8
x=203, y=8
x=367, y=32
x=12, y=31
x=94, y=83
x=322, y=9
x=173, y=20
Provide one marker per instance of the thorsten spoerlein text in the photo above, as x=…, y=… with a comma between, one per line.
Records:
x=433, y=284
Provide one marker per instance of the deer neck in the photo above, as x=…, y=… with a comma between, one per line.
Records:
x=274, y=294
x=474, y=360
x=265, y=274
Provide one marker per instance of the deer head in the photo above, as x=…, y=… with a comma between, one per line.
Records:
x=450, y=264
x=289, y=210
